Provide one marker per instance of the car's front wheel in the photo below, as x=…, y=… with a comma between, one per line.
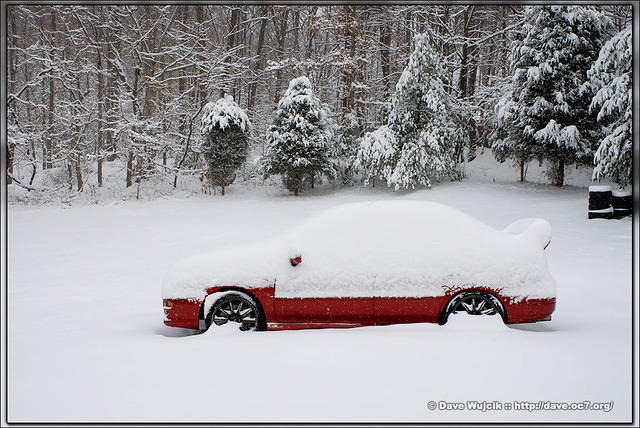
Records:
x=238, y=308
x=473, y=302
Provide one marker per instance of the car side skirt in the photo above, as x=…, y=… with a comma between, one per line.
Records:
x=275, y=326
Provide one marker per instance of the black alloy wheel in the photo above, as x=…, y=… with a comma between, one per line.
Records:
x=237, y=308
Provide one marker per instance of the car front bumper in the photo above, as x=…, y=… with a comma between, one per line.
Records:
x=182, y=312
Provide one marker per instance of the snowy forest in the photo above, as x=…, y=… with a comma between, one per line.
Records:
x=141, y=100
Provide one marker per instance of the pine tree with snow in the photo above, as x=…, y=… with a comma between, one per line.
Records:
x=375, y=154
x=424, y=128
x=225, y=127
x=548, y=113
x=610, y=76
x=346, y=146
x=503, y=146
x=300, y=138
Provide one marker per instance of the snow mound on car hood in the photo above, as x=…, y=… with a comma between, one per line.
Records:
x=251, y=266
x=382, y=248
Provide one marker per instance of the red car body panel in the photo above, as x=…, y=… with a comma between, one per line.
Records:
x=324, y=310
x=394, y=310
x=530, y=310
x=340, y=312
x=181, y=312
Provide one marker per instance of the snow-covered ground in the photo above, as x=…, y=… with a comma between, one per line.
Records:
x=86, y=340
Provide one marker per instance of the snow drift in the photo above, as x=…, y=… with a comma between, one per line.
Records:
x=382, y=248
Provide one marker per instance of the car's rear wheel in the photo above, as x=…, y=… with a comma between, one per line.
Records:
x=473, y=302
x=238, y=308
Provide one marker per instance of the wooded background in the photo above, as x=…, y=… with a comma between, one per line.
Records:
x=94, y=84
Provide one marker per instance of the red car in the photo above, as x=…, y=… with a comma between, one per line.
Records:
x=373, y=263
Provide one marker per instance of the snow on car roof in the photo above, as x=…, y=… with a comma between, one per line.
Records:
x=384, y=248
x=389, y=217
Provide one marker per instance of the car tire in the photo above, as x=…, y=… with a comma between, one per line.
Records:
x=473, y=302
x=240, y=308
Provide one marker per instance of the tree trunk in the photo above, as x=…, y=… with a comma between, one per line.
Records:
x=79, y=173
x=471, y=77
x=130, y=169
x=281, y=31
x=47, y=161
x=446, y=47
x=10, y=155
x=34, y=164
x=108, y=103
x=347, y=72
x=201, y=48
x=385, y=64
x=522, y=164
x=407, y=32
x=148, y=70
x=462, y=80
x=70, y=173
x=260, y=63
x=12, y=83
x=241, y=40
x=311, y=35
x=231, y=41
x=559, y=179
x=100, y=117
x=296, y=26
x=134, y=99
x=138, y=169
x=34, y=170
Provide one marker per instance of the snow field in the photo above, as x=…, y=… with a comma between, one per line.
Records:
x=86, y=340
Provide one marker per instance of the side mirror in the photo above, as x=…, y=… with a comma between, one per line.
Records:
x=295, y=261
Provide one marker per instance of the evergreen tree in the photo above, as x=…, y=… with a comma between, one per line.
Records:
x=610, y=76
x=225, y=127
x=375, y=154
x=300, y=139
x=503, y=146
x=346, y=145
x=549, y=110
x=424, y=129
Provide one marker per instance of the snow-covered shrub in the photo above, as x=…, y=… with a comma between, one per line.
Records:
x=610, y=76
x=546, y=114
x=423, y=130
x=225, y=128
x=300, y=138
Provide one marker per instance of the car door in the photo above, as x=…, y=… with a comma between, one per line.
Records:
x=334, y=281
x=313, y=291
x=392, y=310
x=324, y=310
x=409, y=289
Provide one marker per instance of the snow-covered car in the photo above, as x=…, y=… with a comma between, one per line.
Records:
x=373, y=263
